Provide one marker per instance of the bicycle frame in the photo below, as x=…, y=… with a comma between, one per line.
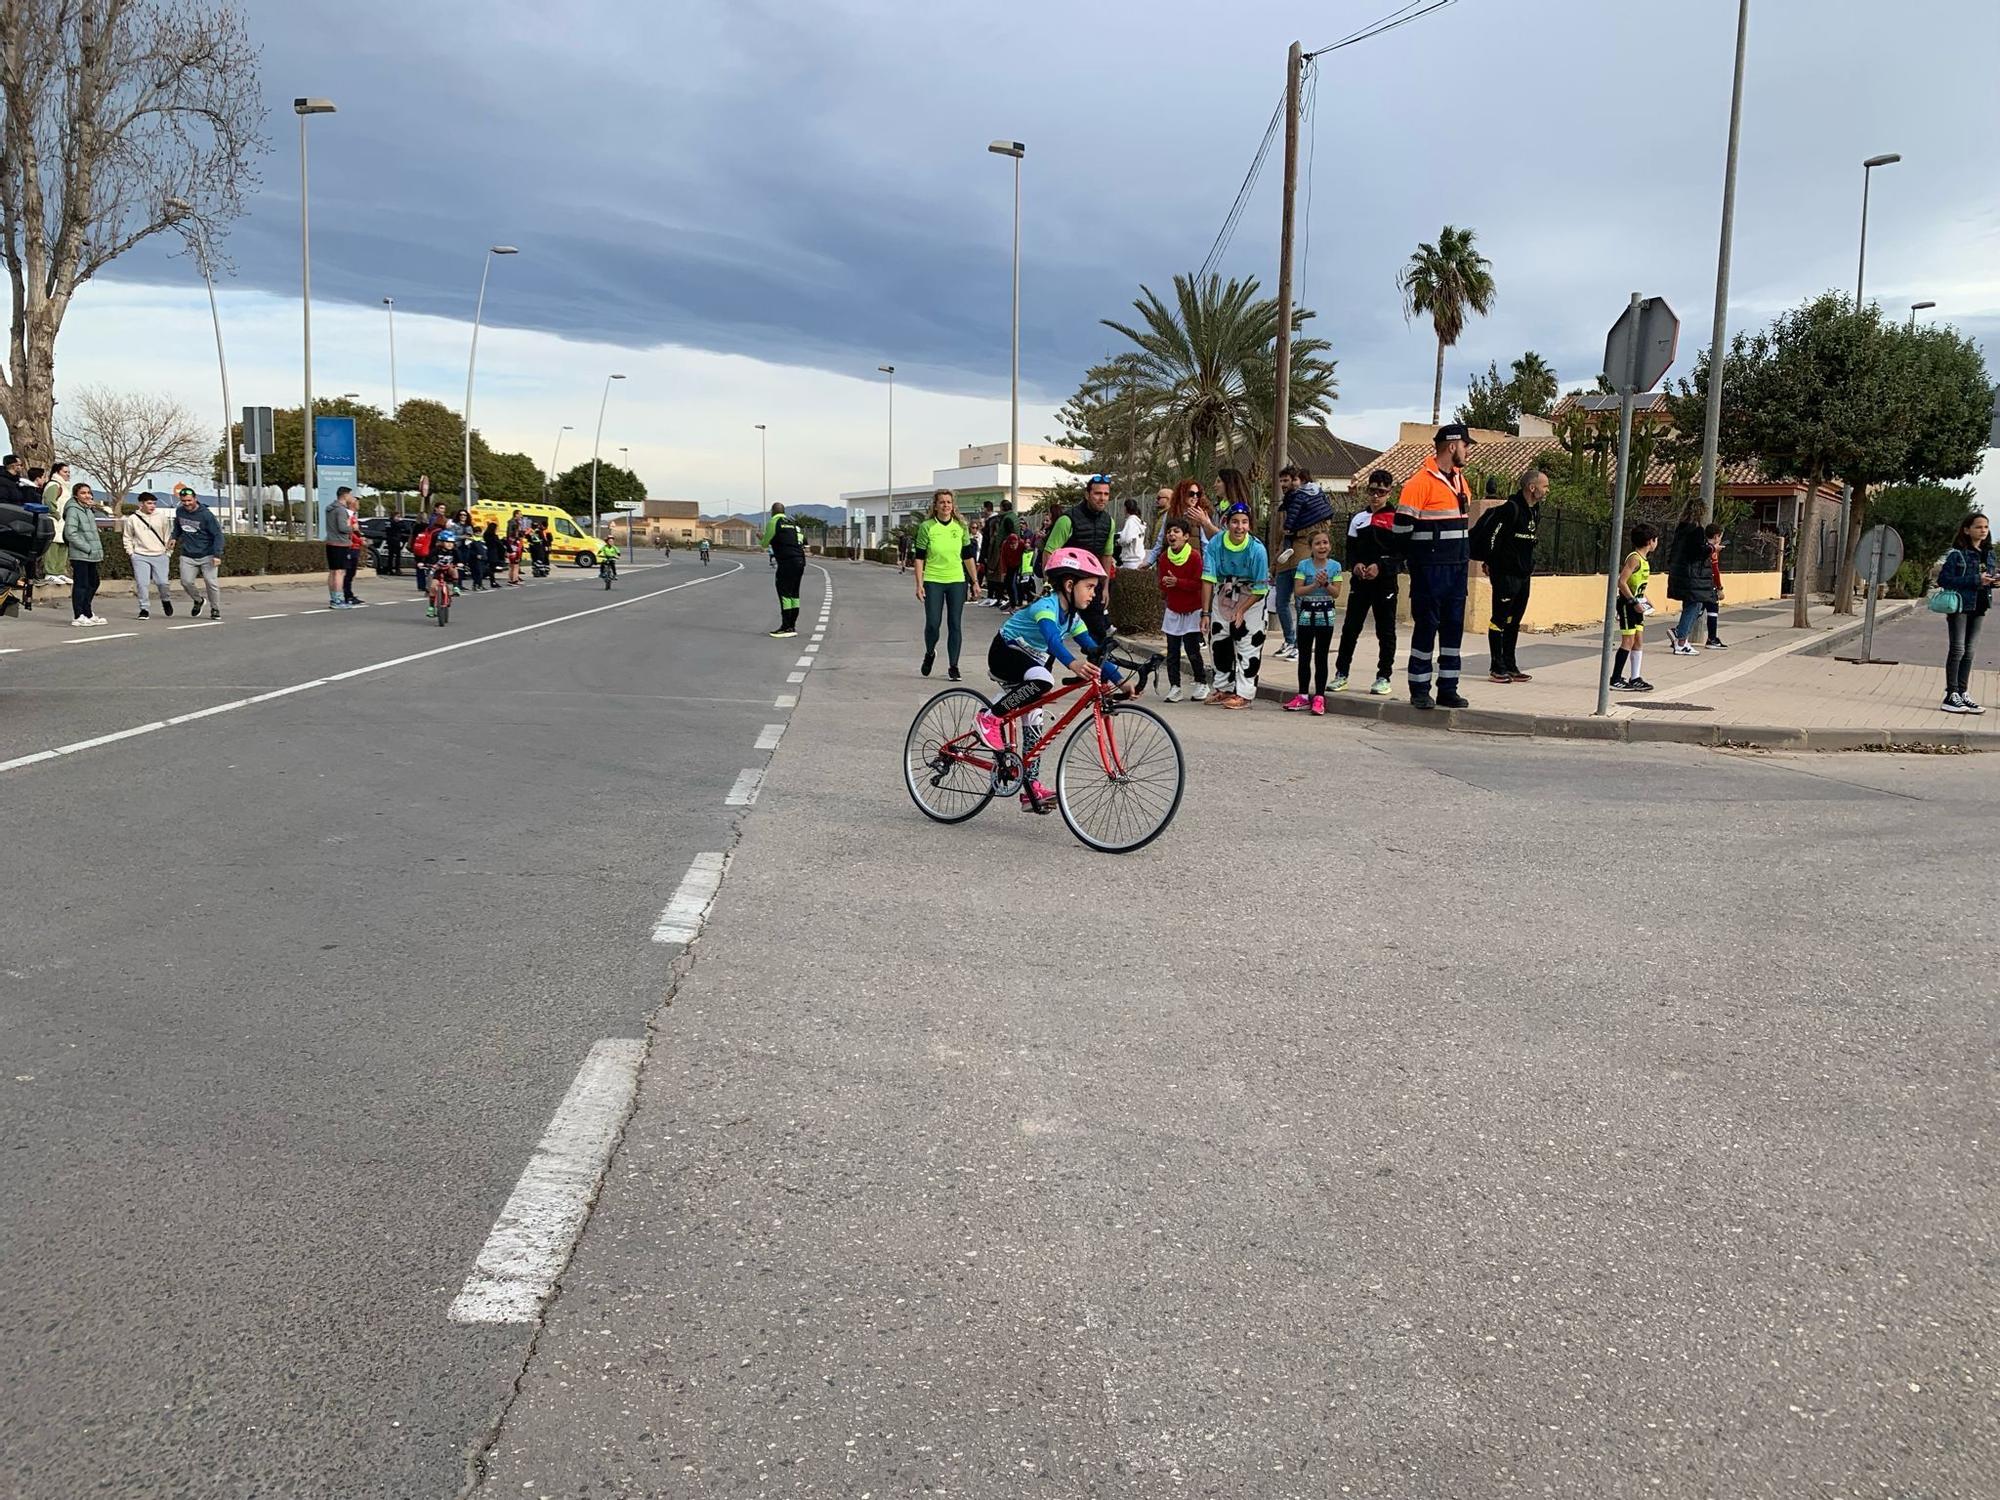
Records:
x=1091, y=696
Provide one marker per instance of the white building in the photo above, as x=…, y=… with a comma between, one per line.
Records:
x=981, y=474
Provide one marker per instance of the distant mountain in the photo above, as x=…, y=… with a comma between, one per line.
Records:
x=832, y=515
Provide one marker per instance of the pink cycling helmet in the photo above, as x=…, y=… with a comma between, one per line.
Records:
x=1075, y=561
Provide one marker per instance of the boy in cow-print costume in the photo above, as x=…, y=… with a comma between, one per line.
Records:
x=1235, y=578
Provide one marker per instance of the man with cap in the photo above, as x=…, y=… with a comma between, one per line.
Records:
x=1432, y=514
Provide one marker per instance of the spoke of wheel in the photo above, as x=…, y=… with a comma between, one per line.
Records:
x=944, y=724
x=1121, y=810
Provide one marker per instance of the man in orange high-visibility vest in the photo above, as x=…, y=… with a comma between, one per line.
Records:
x=1432, y=516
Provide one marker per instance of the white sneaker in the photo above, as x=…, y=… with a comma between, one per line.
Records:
x=99, y=620
x=1174, y=693
x=1200, y=692
x=80, y=622
x=1970, y=706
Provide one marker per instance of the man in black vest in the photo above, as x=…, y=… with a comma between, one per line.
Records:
x=788, y=550
x=1088, y=525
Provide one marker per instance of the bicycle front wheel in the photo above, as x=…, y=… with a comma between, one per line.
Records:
x=1119, y=780
x=945, y=787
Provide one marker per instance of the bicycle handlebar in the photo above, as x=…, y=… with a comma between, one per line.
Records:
x=1142, y=671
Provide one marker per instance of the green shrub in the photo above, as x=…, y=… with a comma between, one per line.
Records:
x=1909, y=580
x=1135, y=600
x=282, y=556
x=883, y=554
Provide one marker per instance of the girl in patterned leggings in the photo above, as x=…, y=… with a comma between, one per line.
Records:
x=1235, y=577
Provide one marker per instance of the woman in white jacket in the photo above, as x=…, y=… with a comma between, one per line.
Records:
x=149, y=537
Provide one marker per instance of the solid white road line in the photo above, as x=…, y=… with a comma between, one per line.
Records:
x=11, y=651
x=744, y=793
x=681, y=920
x=532, y=1240
x=790, y=677
x=279, y=616
x=193, y=625
x=785, y=700
x=803, y=661
x=769, y=737
x=381, y=666
x=84, y=640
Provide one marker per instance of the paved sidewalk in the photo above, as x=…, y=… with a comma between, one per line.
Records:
x=1768, y=688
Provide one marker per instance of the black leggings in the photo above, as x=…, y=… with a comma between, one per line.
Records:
x=82, y=586
x=1314, y=641
x=1191, y=644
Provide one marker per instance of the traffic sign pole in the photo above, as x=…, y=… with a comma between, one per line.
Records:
x=1623, y=378
x=1881, y=553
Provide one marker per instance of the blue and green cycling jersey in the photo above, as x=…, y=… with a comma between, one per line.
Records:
x=1043, y=630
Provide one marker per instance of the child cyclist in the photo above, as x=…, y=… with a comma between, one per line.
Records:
x=1021, y=653
x=444, y=575
x=607, y=556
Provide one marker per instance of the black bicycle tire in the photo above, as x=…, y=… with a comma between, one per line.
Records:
x=1180, y=782
x=909, y=775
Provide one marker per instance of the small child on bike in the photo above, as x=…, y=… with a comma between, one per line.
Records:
x=607, y=558
x=1020, y=655
x=443, y=569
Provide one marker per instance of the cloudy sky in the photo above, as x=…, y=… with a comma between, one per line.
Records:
x=746, y=207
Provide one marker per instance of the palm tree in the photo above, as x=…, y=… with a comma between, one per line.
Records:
x=1534, y=384
x=1201, y=372
x=1444, y=280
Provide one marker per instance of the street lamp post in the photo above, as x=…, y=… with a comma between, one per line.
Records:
x=1917, y=307
x=596, y=443
x=625, y=462
x=1711, y=427
x=390, y=303
x=302, y=108
x=198, y=248
x=1887, y=158
x=553, y=459
x=764, y=466
x=889, y=485
x=1016, y=150
x=472, y=359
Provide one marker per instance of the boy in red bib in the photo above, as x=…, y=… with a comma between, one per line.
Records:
x=1178, y=561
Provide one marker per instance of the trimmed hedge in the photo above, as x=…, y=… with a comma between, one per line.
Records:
x=1135, y=600
x=242, y=556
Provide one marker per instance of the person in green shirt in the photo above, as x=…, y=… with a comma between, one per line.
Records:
x=944, y=547
x=787, y=543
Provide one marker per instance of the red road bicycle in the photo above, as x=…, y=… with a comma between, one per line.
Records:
x=1117, y=786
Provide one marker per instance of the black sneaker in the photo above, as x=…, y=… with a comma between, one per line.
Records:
x=167, y=608
x=1452, y=700
x=1714, y=645
x=782, y=634
x=145, y=614
x=930, y=659
x=1621, y=682
x=1421, y=700
x=1638, y=685
x=194, y=609
x=953, y=674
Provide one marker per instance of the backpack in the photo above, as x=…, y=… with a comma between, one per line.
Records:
x=1483, y=532
x=421, y=547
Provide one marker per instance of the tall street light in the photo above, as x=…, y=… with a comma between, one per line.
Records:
x=1711, y=427
x=302, y=108
x=1917, y=307
x=554, y=458
x=1016, y=150
x=764, y=466
x=889, y=479
x=390, y=303
x=478, y=311
x=198, y=248
x=1887, y=158
x=595, y=445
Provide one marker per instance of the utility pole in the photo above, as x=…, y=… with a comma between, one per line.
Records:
x=1711, y=427
x=1282, y=419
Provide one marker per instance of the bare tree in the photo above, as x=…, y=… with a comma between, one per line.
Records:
x=118, y=439
x=118, y=119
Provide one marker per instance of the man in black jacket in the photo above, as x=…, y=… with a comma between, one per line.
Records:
x=1373, y=558
x=1504, y=543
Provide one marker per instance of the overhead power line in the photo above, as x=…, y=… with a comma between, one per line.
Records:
x=1416, y=10
x=1228, y=230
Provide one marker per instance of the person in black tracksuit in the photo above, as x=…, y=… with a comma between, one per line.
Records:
x=787, y=543
x=1504, y=544
x=1373, y=560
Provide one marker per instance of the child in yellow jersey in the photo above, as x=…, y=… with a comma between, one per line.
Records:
x=1633, y=608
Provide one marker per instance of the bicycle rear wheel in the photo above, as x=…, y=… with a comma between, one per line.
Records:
x=1119, y=789
x=944, y=788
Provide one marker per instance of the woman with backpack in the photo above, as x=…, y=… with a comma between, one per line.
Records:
x=1965, y=589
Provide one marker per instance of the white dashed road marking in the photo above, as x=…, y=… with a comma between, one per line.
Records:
x=84, y=640
x=532, y=1240
x=785, y=700
x=195, y=625
x=744, y=793
x=683, y=916
x=791, y=677
x=279, y=616
x=803, y=661
x=768, y=739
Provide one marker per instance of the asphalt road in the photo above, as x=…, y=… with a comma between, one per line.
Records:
x=1422, y=1116
x=290, y=993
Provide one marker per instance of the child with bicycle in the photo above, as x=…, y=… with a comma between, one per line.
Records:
x=443, y=570
x=1020, y=657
